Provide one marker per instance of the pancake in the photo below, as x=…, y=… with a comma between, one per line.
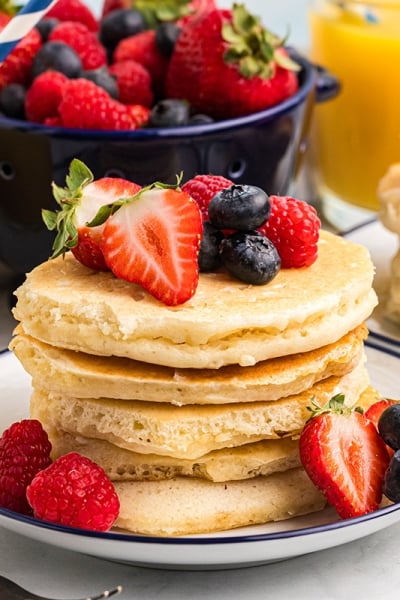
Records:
x=184, y=506
x=226, y=322
x=391, y=303
x=242, y=462
x=77, y=374
x=189, y=431
x=389, y=195
x=388, y=192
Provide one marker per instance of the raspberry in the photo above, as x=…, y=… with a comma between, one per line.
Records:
x=74, y=491
x=83, y=41
x=16, y=67
x=44, y=96
x=139, y=114
x=74, y=10
x=134, y=82
x=293, y=227
x=204, y=187
x=24, y=451
x=142, y=48
x=85, y=105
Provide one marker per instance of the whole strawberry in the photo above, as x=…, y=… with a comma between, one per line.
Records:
x=196, y=8
x=293, y=227
x=202, y=188
x=85, y=43
x=345, y=457
x=24, y=451
x=375, y=410
x=225, y=64
x=76, y=492
x=79, y=203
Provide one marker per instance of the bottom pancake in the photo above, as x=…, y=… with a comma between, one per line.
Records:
x=185, y=506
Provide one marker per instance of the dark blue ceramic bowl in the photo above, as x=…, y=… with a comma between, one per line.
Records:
x=262, y=149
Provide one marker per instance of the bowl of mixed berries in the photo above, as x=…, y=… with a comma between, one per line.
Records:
x=147, y=90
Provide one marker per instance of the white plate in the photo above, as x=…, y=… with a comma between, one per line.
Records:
x=382, y=245
x=231, y=549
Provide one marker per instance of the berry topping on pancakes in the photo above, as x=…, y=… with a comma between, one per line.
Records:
x=160, y=236
x=153, y=240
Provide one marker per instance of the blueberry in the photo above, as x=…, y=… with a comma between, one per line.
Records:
x=102, y=78
x=209, y=257
x=169, y=113
x=389, y=426
x=242, y=207
x=46, y=26
x=250, y=257
x=12, y=101
x=119, y=24
x=57, y=56
x=165, y=37
x=391, y=482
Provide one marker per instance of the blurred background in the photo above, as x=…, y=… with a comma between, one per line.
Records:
x=278, y=16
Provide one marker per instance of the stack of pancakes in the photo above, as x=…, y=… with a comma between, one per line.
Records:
x=194, y=411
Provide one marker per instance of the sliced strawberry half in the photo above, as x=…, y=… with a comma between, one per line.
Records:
x=345, y=457
x=79, y=202
x=153, y=240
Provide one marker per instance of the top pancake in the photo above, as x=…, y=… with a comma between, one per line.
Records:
x=226, y=322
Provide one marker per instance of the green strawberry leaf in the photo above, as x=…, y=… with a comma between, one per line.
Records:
x=159, y=11
x=333, y=405
x=253, y=48
x=49, y=218
x=68, y=197
x=79, y=175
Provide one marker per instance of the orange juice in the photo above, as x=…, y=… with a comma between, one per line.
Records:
x=357, y=134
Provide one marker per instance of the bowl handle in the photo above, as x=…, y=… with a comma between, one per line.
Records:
x=327, y=85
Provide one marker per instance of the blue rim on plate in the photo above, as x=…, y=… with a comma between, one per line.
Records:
x=189, y=540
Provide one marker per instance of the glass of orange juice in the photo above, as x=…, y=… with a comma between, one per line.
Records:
x=356, y=136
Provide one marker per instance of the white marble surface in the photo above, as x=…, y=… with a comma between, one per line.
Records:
x=364, y=570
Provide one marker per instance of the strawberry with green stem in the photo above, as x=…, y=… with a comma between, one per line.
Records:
x=344, y=456
x=79, y=202
x=226, y=64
